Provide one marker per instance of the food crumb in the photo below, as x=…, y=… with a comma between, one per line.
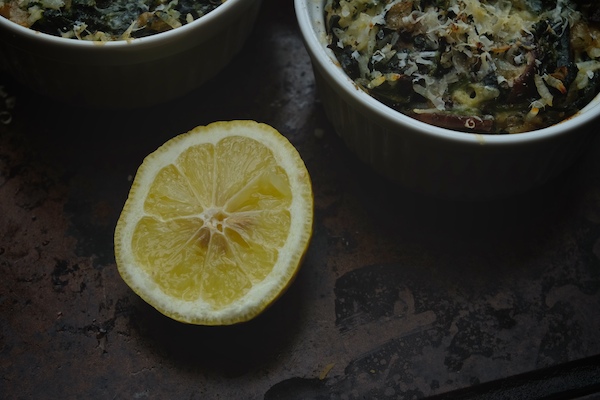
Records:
x=326, y=370
x=7, y=104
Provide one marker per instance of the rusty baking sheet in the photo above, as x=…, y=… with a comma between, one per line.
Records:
x=401, y=296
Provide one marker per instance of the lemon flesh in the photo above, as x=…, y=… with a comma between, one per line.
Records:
x=216, y=224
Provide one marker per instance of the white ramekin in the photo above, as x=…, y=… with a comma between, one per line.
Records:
x=427, y=158
x=133, y=73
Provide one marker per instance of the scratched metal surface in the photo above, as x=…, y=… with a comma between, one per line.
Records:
x=401, y=296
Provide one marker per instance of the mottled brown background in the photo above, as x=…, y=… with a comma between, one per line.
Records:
x=401, y=296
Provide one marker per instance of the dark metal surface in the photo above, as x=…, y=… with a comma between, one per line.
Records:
x=401, y=296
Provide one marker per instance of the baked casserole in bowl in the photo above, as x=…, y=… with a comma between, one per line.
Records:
x=120, y=54
x=460, y=99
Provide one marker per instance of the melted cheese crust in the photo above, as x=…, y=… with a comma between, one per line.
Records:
x=459, y=56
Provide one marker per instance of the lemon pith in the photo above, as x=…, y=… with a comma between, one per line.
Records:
x=216, y=224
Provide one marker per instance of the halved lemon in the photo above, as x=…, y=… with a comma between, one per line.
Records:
x=216, y=223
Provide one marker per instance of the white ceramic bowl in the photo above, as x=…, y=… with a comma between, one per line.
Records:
x=133, y=73
x=427, y=158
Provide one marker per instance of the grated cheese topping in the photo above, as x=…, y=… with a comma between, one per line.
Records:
x=511, y=65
